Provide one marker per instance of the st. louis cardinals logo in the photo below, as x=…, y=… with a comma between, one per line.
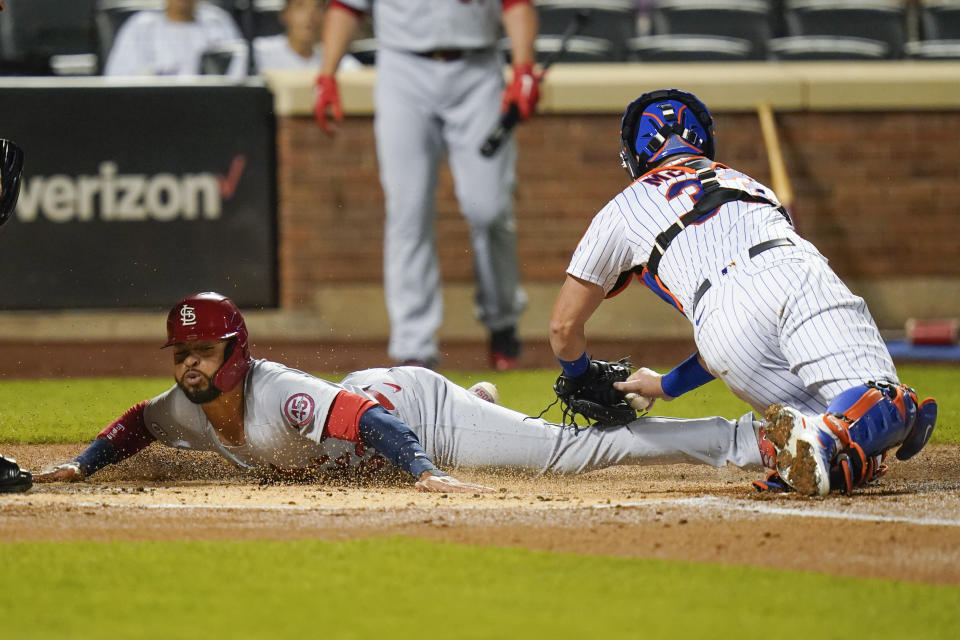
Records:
x=299, y=409
x=188, y=316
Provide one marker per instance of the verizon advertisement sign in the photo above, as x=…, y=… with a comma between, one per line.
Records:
x=135, y=196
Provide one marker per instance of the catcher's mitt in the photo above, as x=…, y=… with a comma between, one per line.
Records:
x=592, y=395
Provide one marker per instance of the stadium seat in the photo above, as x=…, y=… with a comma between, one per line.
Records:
x=939, y=31
x=43, y=36
x=744, y=19
x=690, y=48
x=579, y=49
x=940, y=19
x=826, y=48
x=266, y=18
x=876, y=20
x=611, y=20
x=364, y=50
x=217, y=60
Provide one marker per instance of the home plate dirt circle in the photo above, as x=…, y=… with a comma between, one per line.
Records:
x=907, y=527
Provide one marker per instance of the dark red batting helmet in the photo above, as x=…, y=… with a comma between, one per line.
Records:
x=211, y=316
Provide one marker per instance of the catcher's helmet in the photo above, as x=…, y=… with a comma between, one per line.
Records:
x=11, y=171
x=664, y=123
x=211, y=316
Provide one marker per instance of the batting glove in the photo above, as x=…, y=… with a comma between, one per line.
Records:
x=523, y=91
x=326, y=95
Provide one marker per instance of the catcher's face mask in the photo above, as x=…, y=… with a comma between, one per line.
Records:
x=661, y=124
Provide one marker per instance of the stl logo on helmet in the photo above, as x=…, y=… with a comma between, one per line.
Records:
x=299, y=409
x=188, y=316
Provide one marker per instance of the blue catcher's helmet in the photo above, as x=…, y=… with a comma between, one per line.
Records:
x=664, y=123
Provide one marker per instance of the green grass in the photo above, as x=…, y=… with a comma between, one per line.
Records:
x=402, y=588
x=74, y=410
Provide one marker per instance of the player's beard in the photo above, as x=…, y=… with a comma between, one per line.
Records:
x=197, y=395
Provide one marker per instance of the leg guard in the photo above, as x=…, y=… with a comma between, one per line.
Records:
x=875, y=416
x=853, y=469
x=922, y=429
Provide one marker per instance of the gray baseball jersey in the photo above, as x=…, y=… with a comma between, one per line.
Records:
x=426, y=108
x=423, y=25
x=775, y=325
x=285, y=411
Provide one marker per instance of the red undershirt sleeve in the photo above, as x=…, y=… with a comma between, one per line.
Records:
x=343, y=419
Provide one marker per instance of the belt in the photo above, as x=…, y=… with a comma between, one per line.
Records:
x=754, y=251
x=447, y=55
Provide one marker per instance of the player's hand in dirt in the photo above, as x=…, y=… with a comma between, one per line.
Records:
x=66, y=472
x=644, y=382
x=430, y=483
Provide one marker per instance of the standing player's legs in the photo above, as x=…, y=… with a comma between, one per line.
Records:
x=484, y=186
x=458, y=429
x=409, y=148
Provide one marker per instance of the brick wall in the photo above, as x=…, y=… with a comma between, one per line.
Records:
x=876, y=192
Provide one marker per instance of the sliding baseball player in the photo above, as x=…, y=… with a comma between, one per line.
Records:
x=265, y=417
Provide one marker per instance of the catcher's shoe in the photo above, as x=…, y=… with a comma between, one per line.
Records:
x=12, y=478
x=486, y=391
x=805, y=449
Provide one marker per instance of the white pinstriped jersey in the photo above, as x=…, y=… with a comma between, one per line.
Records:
x=622, y=234
x=778, y=327
x=423, y=25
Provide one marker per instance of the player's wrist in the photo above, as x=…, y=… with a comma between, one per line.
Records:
x=522, y=69
x=686, y=376
x=575, y=368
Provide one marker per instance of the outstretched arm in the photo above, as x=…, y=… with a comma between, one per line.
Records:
x=121, y=439
x=357, y=418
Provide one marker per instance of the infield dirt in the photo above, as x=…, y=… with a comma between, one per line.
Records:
x=906, y=527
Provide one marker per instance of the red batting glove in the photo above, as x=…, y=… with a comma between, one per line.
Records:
x=524, y=91
x=326, y=95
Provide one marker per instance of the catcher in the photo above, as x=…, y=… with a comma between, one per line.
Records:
x=769, y=316
x=12, y=478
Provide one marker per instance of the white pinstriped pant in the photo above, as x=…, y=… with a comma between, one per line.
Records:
x=784, y=328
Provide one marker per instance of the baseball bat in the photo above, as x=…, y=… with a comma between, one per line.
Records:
x=510, y=119
x=778, y=169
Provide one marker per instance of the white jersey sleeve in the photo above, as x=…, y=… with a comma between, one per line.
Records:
x=603, y=253
x=150, y=44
